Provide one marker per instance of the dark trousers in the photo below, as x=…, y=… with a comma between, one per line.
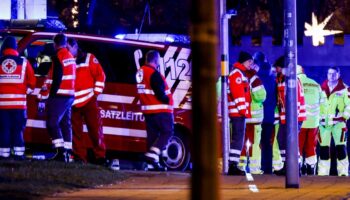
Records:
x=266, y=147
x=237, y=138
x=90, y=114
x=160, y=127
x=12, y=124
x=58, y=120
x=282, y=139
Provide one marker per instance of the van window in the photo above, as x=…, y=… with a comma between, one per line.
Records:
x=117, y=60
x=39, y=54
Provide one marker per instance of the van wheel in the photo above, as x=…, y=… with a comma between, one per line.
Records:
x=177, y=153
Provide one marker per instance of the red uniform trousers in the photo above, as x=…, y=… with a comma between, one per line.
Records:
x=90, y=114
x=308, y=141
x=249, y=135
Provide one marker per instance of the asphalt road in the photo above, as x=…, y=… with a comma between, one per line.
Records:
x=176, y=186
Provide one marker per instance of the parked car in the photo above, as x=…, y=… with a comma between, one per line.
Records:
x=120, y=57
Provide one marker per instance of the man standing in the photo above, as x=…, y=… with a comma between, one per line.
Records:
x=89, y=83
x=58, y=91
x=334, y=113
x=239, y=108
x=268, y=79
x=16, y=81
x=157, y=106
x=253, y=123
x=281, y=106
x=309, y=128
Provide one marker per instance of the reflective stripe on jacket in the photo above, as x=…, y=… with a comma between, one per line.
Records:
x=313, y=98
x=258, y=96
x=16, y=80
x=336, y=107
x=90, y=79
x=238, y=92
x=148, y=98
x=61, y=76
x=281, y=100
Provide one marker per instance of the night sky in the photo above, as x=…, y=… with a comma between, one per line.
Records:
x=255, y=17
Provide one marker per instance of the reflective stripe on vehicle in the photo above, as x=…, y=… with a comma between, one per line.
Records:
x=156, y=107
x=107, y=130
x=115, y=98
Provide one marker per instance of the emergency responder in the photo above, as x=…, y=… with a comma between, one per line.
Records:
x=89, y=83
x=239, y=99
x=58, y=92
x=16, y=81
x=334, y=113
x=157, y=106
x=309, y=129
x=253, y=124
x=281, y=102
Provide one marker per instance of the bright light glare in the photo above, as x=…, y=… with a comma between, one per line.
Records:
x=317, y=32
x=120, y=36
x=169, y=39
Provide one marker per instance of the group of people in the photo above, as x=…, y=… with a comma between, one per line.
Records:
x=69, y=93
x=257, y=111
x=256, y=106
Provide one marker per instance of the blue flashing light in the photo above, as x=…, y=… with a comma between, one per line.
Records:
x=120, y=36
x=155, y=37
x=170, y=39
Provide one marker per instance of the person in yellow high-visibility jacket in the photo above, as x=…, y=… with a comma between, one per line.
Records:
x=309, y=129
x=334, y=113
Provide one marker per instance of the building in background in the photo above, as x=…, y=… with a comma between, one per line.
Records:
x=23, y=9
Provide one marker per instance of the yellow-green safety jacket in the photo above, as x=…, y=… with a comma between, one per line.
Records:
x=313, y=99
x=258, y=94
x=336, y=107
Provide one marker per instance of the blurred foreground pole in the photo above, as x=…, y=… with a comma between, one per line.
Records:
x=290, y=36
x=225, y=134
x=204, y=39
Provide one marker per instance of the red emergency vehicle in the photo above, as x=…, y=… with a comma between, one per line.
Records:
x=120, y=57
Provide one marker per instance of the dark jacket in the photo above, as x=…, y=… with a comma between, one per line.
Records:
x=268, y=80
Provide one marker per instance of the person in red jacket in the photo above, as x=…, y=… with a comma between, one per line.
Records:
x=239, y=100
x=157, y=106
x=16, y=81
x=58, y=93
x=89, y=83
x=281, y=106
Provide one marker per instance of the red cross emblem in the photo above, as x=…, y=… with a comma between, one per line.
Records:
x=9, y=66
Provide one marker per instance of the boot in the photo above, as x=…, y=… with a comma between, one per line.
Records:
x=281, y=172
x=155, y=166
x=303, y=169
x=61, y=155
x=310, y=169
x=235, y=171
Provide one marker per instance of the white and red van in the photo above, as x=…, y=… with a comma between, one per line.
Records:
x=120, y=57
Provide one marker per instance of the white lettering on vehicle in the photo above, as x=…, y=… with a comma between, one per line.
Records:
x=122, y=115
x=176, y=68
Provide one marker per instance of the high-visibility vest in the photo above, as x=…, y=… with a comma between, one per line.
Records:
x=90, y=80
x=238, y=92
x=336, y=108
x=65, y=81
x=313, y=98
x=281, y=102
x=16, y=80
x=149, y=102
x=258, y=96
